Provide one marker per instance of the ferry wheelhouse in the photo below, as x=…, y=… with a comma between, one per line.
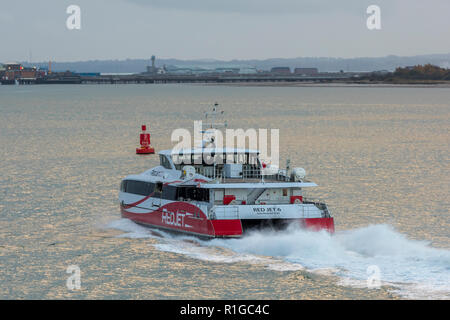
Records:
x=220, y=192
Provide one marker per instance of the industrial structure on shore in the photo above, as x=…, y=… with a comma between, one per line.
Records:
x=15, y=73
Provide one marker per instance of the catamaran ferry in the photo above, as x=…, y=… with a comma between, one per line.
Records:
x=220, y=192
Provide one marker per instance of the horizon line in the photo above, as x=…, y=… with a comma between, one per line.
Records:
x=213, y=60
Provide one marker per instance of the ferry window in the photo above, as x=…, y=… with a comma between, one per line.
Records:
x=203, y=194
x=181, y=193
x=177, y=159
x=164, y=161
x=197, y=158
x=241, y=158
x=253, y=158
x=181, y=160
x=229, y=158
x=169, y=192
x=123, y=186
x=151, y=187
x=138, y=187
x=193, y=193
x=158, y=190
x=186, y=159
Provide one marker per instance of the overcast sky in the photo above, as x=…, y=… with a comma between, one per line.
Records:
x=226, y=29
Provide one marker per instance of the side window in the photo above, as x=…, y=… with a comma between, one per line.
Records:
x=134, y=187
x=158, y=189
x=151, y=187
x=123, y=186
x=164, y=162
x=193, y=194
x=137, y=187
x=253, y=159
x=169, y=192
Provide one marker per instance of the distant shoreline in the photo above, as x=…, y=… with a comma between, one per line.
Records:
x=347, y=84
x=324, y=84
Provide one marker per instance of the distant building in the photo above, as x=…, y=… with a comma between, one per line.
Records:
x=381, y=72
x=88, y=74
x=227, y=70
x=281, y=70
x=12, y=72
x=28, y=74
x=178, y=71
x=152, y=68
x=306, y=71
x=12, y=66
x=248, y=70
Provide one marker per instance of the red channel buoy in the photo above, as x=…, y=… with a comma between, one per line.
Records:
x=146, y=147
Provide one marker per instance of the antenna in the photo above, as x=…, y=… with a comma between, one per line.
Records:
x=212, y=125
x=288, y=167
x=212, y=115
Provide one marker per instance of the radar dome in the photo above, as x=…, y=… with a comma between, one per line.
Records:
x=299, y=173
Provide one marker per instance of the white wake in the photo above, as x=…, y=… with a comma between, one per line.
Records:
x=415, y=268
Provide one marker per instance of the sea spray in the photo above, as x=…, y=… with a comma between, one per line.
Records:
x=415, y=268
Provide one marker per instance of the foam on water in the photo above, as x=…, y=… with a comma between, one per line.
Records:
x=413, y=267
x=131, y=229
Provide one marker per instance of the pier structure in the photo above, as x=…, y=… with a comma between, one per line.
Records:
x=15, y=73
x=168, y=78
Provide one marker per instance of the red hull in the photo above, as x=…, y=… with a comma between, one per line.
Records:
x=187, y=218
x=317, y=224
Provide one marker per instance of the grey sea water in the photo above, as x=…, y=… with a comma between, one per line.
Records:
x=379, y=155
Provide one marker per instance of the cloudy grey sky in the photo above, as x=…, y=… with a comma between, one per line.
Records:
x=220, y=29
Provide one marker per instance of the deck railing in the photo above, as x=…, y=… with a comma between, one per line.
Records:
x=248, y=172
x=320, y=205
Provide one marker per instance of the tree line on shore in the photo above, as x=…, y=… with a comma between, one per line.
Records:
x=418, y=72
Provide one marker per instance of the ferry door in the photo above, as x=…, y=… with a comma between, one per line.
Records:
x=157, y=195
